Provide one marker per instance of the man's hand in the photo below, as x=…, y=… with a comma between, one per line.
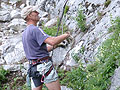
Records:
x=67, y=41
x=63, y=44
x=68, y=33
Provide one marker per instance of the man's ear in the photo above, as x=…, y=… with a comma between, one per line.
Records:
x=29, y=16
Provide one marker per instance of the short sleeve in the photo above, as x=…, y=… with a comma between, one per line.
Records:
x=40, y=36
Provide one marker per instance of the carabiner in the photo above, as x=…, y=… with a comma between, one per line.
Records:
x=42, y=79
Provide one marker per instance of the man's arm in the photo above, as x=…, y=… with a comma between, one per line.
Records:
x=56, y=40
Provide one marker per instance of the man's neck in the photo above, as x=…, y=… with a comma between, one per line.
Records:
x=34, y=23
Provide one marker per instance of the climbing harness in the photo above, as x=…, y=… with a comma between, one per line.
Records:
x=32, y=71
x=40, y=61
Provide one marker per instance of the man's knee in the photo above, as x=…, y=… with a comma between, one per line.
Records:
x=38, y=88
x=53, y=85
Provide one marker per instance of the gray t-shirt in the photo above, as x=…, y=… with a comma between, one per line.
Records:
x=33, y=42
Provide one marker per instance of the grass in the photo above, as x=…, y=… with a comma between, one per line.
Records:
x=3, y=74
x=66, y=9
x=53, y=30
x=106, y=4
x=99, y=14
x=81, y=22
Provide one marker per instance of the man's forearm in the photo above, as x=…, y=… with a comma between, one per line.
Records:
x=56, y=40
x=60, y=38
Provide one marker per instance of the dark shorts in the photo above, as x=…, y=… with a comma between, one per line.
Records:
x=36, y=81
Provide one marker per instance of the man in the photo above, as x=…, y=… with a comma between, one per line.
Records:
x=34, y=42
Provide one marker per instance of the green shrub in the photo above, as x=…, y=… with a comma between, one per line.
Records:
x=75, y=57
x=93, y=66
x=75, y=79
x=25, y=87
x=50, y=31
x=82, y=50
x=15, y=87
x=99, y=14
x=118, y=88
x=53, y=30
x=61, y=75
x=81, y=22
x=66, y=9
x=107, y=3
x=3, y=74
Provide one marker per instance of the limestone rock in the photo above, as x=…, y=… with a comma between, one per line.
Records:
x=96, y=1
x=51, y=23
x=5, y=16
x=16, y=55
x=15, y=14
x=116, y=80
x=12, y=67
x=12, y=50
x=45, y=17
x=65, y=88
x=17, y=25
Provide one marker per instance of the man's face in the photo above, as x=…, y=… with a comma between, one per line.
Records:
x=34, y=16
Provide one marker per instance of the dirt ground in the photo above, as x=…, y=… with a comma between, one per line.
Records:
x=15, y=81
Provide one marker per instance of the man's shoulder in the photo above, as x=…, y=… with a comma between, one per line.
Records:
x=32, y=27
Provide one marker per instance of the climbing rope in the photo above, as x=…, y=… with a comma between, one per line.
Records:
x=61, y=18
x=59, y=23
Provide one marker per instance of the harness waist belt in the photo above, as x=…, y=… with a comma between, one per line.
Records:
x=40, y=61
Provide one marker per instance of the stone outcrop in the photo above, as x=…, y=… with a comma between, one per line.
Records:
x=115, y=83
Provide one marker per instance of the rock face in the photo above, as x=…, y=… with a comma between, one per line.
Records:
x=116, y=80
x=5, y=16
x=51, y=23
x=12, y=50
x=97, y=20
x=65, y=88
